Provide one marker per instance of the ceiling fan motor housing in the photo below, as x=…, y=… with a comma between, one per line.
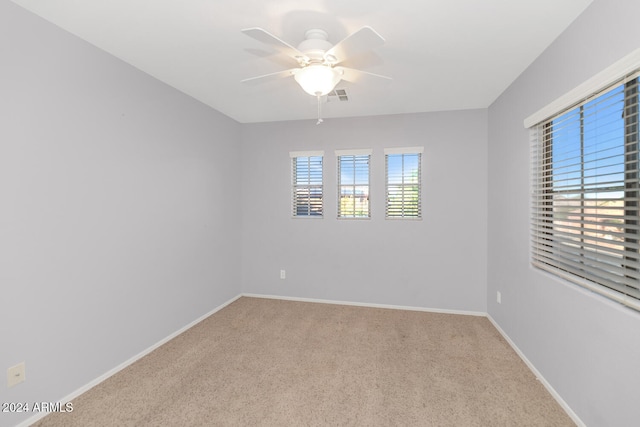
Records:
x=315, y=44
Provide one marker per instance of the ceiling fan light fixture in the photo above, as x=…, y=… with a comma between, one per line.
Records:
x=317, y=79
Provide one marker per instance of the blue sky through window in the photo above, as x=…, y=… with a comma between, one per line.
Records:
x=588, y=148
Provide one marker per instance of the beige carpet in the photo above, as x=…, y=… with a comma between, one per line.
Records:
x=283, y=363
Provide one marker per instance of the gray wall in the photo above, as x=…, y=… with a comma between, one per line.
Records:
x=587, y=347
x=118, y=221
x=439, y=262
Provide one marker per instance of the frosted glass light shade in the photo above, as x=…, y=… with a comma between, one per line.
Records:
x=317, y=80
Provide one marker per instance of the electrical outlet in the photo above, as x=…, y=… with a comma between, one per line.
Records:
x=499, y=297
x=283, y=274
x=15, y=374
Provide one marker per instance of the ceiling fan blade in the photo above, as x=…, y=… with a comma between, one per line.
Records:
x=269, y=77
x=280, y=45
x=366, y=38
x=358, y=76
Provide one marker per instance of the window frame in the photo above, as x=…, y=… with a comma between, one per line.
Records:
x=354, y=154
x=310, y=185
x=615, y=277
x=403, y=151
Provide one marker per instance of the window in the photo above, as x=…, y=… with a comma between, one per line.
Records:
x=403, y=183
x=306, y=173
x=353, y=183
x=585, y=192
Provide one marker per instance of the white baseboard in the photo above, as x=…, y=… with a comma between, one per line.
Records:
x=539, y=376
x=362, y=304
x=126, y=363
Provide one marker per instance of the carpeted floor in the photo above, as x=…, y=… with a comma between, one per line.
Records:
x=284, y=363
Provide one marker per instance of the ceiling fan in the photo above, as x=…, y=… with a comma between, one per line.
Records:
x=318, y=70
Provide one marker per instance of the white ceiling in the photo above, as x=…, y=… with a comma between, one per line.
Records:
x=442, y=54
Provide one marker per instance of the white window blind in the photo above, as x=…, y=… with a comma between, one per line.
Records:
x=403, y=170
x=307, y=191
x=353, y=183
x=585, y=218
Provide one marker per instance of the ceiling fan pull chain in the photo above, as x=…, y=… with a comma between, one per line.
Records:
x=319, y=119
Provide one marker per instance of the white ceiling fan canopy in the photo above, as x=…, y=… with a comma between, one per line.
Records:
x=315, y=44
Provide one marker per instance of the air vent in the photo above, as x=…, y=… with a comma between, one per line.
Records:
x=341, y=94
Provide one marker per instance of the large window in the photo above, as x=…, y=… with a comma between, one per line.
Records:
x=403, y=169
x=353, y=183
x=585, y=212
x=306, y=173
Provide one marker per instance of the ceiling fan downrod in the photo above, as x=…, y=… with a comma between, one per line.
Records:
x=319, y=102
